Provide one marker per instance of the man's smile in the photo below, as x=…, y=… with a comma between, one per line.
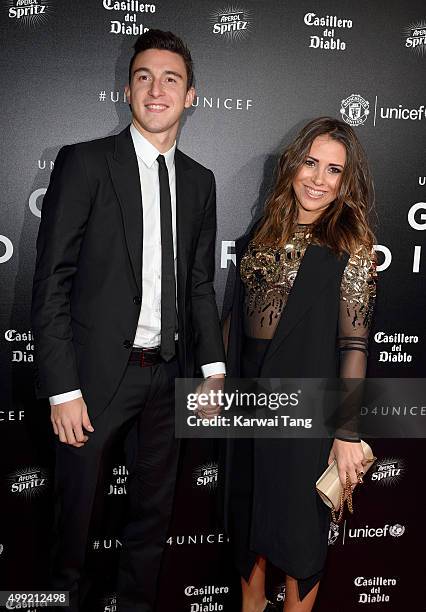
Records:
x=156, y=108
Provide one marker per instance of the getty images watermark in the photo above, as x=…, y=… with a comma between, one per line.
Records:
x=306, y=408
x=259, y=401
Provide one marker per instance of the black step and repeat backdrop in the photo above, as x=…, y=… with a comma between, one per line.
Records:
x=263, y=68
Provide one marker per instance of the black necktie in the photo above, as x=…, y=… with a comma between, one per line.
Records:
x=168, y=282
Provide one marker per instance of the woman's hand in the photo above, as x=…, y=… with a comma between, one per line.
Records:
x=349, y=457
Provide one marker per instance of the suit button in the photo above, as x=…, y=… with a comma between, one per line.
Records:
x=127, y=344
x=137, y=300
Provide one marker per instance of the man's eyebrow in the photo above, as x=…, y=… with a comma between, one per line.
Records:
x=141, y=69
x=176, y=74
x=331, y=164
x=144, y=69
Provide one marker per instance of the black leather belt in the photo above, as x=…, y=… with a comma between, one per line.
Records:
x=145, y=357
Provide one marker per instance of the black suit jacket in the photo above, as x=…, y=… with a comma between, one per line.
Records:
x=304, y=344
x=285, y=470
x=87, y=285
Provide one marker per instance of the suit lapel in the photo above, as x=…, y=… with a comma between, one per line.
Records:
x=124, y=172
x=186, y=204
x=316, y=267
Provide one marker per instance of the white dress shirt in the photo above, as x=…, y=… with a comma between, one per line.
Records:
x=148, y=331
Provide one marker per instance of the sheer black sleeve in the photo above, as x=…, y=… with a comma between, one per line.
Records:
x=357, y=298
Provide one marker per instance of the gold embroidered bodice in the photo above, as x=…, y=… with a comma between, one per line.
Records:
x=268, y=274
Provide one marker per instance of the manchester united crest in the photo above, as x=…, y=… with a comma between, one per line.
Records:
x=333, y=533
x=355, y=110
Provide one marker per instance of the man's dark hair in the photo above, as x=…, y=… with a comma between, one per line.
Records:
x=167, y=41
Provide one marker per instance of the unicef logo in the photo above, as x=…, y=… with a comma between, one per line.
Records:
x=355, y=110
x=396, y=530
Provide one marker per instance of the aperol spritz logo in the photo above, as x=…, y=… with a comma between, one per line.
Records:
x=110, y=603
x=388, y=471
x=415, y=37
x=231, y=22
x=205, y=475
x=28, y=482
x=29, y=13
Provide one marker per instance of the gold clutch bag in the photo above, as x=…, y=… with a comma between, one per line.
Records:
x=330, y=489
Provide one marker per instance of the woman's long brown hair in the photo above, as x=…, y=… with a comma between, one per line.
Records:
x=343, y=226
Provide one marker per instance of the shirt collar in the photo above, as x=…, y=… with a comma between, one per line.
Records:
x=147, y=152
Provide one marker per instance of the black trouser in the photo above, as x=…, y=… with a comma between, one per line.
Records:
x=144, y=401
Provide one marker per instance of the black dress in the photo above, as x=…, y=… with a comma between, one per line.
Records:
x=272, y=508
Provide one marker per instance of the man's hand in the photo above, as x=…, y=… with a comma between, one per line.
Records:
x=349, y=457
x=68, y=420
x=214, y=383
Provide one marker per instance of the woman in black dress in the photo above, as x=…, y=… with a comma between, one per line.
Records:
x=302, y=306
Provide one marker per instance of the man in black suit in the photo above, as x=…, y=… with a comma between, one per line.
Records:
x=123, y=302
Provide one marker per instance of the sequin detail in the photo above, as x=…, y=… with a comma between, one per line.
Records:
x=358, y=287
x=268, y=274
